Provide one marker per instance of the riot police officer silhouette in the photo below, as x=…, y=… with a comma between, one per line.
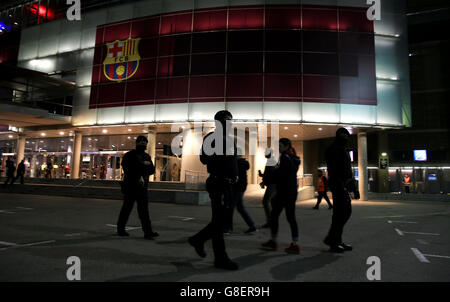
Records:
x=137, y=166
x=341, y=183
x=218, y=153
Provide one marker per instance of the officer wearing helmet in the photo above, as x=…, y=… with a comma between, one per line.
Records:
x=341, y=183
x=137, y=166
x=219, y=154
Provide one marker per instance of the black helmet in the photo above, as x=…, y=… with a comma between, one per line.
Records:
x=342, y=131
x=223, y=115
x=141, y=140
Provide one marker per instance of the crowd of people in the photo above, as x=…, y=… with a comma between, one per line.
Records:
x=227, y=183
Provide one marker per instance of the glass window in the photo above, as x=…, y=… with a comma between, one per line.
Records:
x=148, y=27
x=245, y=40
x=360, y=43
x=348, y=65
x=279, y=62
x=320, y=63
x=320, y=41
x=210, y=20
x=172, y=88
x=208, y=64
x=146, y=69
x=174, y=45
x=111, y=94
x=283, y=40
x=245, y=18
x=319, y=19
x=173, y=66
x=282, y=86
x=176, y=23
x=349, y=89
x=354, y=20
x=210, y=86
x=321, y=87
x=283, y=17
x=119, y=31
x=244, y=86
x=209, y=42
x=148, y=48
x=140, y=90
x=245, y=63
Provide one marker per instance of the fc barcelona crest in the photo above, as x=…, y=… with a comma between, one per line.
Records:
x=122, y=59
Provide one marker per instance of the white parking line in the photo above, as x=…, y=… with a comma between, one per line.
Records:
x=391, y=221
x=419, y=255
x=419, y=233
x=27, y=244
x=126, y=228
x=182, y=218
x=23, y=208
x=421, y=241
x=7, y=243
x=437, y=256
x=399, y=232
x=6, y=212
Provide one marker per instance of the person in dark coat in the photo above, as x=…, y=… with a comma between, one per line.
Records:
x=20, y=172
x=10, y=169
x=322, y=186
x=341, y=183
x=270, y=185
x=138, y=167
x=218, y=153
x=238, y=198
x=285, y=175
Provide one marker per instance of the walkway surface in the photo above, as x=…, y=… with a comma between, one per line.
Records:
x=39, y=233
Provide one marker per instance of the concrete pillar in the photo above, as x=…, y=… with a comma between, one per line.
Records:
x=75, y=170
x=252, y=158
x=362, y=165
x=113, y=166
x=20, y=147
x=151, y=147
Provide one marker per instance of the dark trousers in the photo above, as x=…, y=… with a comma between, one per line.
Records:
x=9, y=177
x=342, y=210
x=238, y=203
x=221, y=199
x=286, y=201
x=323, y=195
x=140, y=196
x=18, y=176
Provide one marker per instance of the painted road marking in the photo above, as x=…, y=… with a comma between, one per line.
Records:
x=399, y=232
x=7, y=243
x=419, y=233
x=182, y=218
x=417, y=215
x=437, y=256
x=126, y=228
x=23, y=208
x=27, y=244
x=74, y=234
x=6, y=212
x=419, y=255
x=391, y=221
x=421, y=241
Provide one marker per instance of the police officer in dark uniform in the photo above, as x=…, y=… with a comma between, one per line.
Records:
x=341, y=183
x=223, y=169
x=137, y=166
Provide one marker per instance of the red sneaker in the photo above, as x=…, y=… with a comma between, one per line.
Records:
x=292, y=249
x=269, y=245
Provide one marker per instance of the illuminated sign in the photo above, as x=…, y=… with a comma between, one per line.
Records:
x=420, y=155
x=122, y=60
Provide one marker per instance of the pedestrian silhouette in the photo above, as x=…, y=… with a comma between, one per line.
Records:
x=20, y=172
x=223, y=174
x=285, y=175
x=238, y=197
x=10, y=169
x=322, y=186
x=138, y=167
x=341, y=183
x=268, y=182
